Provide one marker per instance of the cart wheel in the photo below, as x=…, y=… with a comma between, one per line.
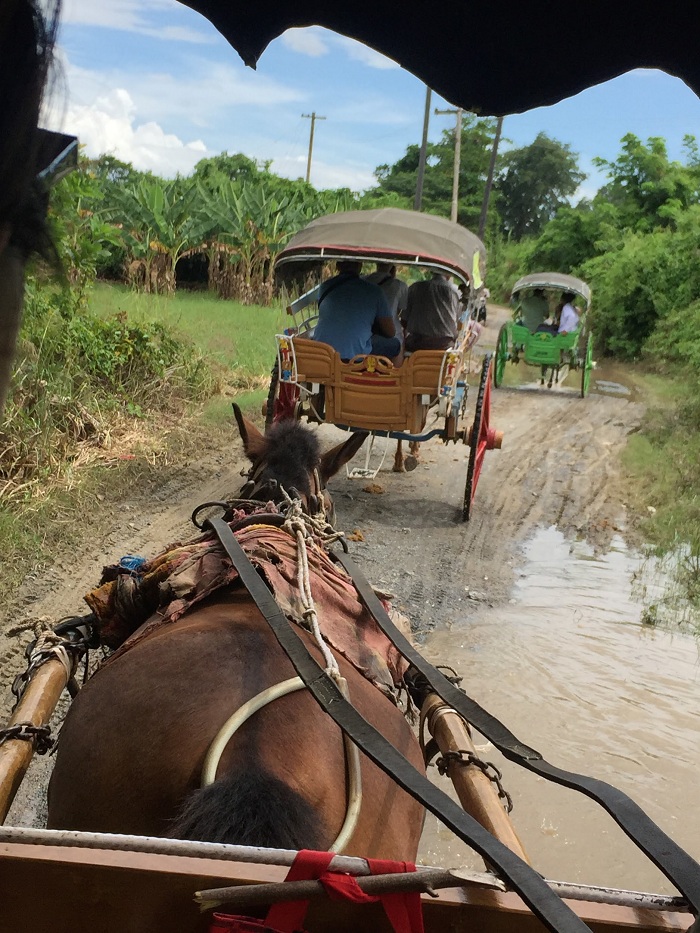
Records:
x=587, y=367
x=501, y=356
x=478, y=436
x=282, y=400
x=272, y=393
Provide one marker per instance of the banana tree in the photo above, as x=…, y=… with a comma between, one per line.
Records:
x=249, y=226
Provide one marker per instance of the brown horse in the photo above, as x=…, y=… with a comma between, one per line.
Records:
x=133, y=743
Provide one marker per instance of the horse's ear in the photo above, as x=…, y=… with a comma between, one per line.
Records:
x=337, y=457
x=253, y=440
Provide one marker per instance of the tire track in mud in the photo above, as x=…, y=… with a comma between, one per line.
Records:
x=558, y=465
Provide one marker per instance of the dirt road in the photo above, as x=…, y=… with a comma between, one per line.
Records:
x=558, y=465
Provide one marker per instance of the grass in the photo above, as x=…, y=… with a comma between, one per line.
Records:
x=55, y=512
x=662, y=462
x=239, y=338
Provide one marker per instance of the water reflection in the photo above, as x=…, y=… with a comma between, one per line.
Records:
x=570, y=669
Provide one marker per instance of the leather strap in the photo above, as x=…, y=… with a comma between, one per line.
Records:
x=531, y=887
x=682, y=870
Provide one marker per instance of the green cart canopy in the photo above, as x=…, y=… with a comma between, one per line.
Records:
x=563, y=283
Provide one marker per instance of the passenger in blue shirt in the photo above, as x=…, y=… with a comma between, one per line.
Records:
x=349, y=310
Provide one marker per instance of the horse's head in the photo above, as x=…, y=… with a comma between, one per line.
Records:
x=289, y=456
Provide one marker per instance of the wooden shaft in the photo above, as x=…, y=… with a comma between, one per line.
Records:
x=477, y=794
x=424, y=880
x=36, y=707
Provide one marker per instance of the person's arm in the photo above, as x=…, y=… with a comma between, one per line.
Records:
x=386, y=326
x=384, y=320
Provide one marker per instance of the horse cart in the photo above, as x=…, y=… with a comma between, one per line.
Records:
x=530, y=339
x=255, y=698
x=412, y=398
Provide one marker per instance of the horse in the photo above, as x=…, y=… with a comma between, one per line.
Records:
x=132, y=747
x=26, y=43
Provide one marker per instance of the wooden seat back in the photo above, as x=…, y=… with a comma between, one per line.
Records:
x=369, y=392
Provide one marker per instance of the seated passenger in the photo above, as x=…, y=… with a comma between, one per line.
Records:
x=568, y=315
x=534, y=309
x=395, y=291
x=349, y=308
x=432, y=315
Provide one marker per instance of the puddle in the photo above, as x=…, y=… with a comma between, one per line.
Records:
x=610, y=388
x=608, y=378
x=569, y=667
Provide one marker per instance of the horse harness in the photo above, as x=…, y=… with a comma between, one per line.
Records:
x=257, y=488
x=682, y=870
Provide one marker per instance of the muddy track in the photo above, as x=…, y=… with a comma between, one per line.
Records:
x=558, y=465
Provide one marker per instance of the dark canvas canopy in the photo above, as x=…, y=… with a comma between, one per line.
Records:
x=390, y=235
x=488, y=56
x=564, y=283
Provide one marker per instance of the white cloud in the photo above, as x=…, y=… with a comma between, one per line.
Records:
x=207, y=97
x=128, y=16
x=308, y=41
x=315, y=41
x=109, y=126
x=323, y=174
x=363, y=53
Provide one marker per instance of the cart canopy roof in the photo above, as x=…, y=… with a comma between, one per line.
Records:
x=563, y=283
x=391, y=235
x=504, y=41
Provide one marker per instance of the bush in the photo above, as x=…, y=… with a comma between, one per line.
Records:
x=648, y=278
x=73, y=368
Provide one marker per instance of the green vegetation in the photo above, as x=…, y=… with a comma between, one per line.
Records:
x=663, y=460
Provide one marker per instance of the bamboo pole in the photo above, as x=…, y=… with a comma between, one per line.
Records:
x=36, y=707
x=425, y=881
x=476, y=792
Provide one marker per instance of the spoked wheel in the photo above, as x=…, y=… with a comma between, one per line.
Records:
x=481, y=436
x=282, y=400
x=499, y=367
x=272, y=392
x=587, y=367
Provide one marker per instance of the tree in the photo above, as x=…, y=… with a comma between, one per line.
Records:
x=533, y=183
x=649, y=190
x=573, y=236
x=399, y=180
x=213, y=171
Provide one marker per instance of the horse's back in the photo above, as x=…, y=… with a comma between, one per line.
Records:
x=134, y=742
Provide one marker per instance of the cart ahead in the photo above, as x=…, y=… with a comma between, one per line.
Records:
x=371, y=393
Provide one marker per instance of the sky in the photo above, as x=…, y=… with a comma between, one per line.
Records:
x=156, y=85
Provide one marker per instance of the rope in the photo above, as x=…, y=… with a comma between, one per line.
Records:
x=48, y=646
x=302, y=527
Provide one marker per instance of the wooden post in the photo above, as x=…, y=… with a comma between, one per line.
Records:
x=36, y=708
x=476, y=792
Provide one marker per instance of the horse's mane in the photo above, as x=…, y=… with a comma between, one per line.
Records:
x=290, y=453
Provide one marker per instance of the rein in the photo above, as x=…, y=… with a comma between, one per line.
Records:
x=528, y=883
x=676, y=864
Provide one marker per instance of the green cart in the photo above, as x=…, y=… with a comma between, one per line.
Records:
x=536, y=337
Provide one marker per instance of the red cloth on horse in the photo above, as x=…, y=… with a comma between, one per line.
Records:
x=403, y=910
x=183, y=575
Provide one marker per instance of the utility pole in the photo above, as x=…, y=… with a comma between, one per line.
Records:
x=418, y=202
x=311, y=116
x=458, y=149
x=489, y=179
